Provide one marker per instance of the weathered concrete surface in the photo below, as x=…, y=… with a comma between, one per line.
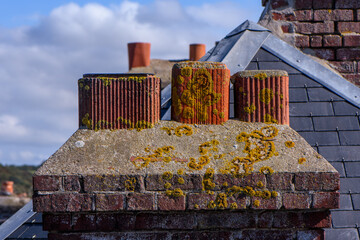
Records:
x=113, y=152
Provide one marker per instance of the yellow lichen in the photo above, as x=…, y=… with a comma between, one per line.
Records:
x=196, y=206
x=167, y=185
x=260, y=184
x=233, y=206
x=289, y=144
x=302, y=160
x=221, y=115
x=188, y=113
x=266, y=170
x=250, y=109
x=177, y=192
x=256, y=203
x=183, y=130
x=221, y=201
x=167, y=175
x=180, y=171
x=260, y=76
x=180, y=79
x=269, y=119
x=215, y=111
x=186, y=71
x=211, y=204
x=266, y=95
x=274, y=194
x=181, y=180
x=130, y=184
x=266, y=194
x=225, y=184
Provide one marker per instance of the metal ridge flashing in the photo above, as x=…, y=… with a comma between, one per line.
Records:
x=313, y=69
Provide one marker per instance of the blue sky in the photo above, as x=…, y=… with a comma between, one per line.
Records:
x=46, y=46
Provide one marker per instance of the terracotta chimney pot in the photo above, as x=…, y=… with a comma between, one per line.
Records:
x=197, y=51
x=262, y=96
x=8, y=187
x=139, y=54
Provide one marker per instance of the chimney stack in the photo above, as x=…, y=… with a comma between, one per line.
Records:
x=197, y=51
x=139, y=54
x=262, y=96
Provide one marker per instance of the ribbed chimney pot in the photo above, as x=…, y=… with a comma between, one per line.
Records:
x=262, y=96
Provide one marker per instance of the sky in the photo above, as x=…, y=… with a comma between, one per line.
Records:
x=47, y=45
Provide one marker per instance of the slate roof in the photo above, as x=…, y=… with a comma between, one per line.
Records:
x=324, y=109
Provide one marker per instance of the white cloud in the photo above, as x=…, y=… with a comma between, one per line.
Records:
x=40, y=64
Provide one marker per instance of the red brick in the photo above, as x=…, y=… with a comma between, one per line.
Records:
x=348, y=54
x=72, y=183
x=290, y=17
x=347, y=4
x=178, y=221
x=267, y=234
x=358, y=15
x=71, y=202
x=304, y=15
x=105, y=222
x=199, y=199
x=42, y=203
x=333, y=15
x=286, y=219
x=323, y=4
x=323, y=53
x=279, y=181
x=101, y=183
x=302, y=41
x=67, y=236
x=286, y=27
x=166, y=203
x=139, y=185
x=316, y=41
x=220, y=179
x=328, y=200
x=317, y=219
x=265, y=219
x=148, y=221
x=308, y=181
x=330, y=181
x=332, y=41
x=343, y=66
x=241, y=201
x=140, y=201
x=201, y=235
x=314, y=28
x=58, y=222
x=354, y=78
x=226, y=220
x=351, y=40
x=278, y=16
x=156, y=182
x=349, y=27
x=318, y=234
x=279, y=4
x=252, y=180
x=46, y=183
x=296, y=200
x=272, y=203
x=84, y=222
x=109, y=235
x=109, y=202
x=303, y=4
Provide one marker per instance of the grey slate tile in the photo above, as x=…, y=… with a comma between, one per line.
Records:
x=336, y=153
x=231, y=111
x=321, y=138
x=252, y=66
x=311, y=108
x=356, y=201
x=264, y=56
x=300, y=80
x=278, y=66
x=345, y=108
x=339, y=166
x=341, y=234
x=350, y=185
x=322, y=95
x=331, y=123
x=352, y=169
x=297, y=95
x=349, y=137
x=345, y=218
x=345, y=202
x=34, y=231
x=301, y=123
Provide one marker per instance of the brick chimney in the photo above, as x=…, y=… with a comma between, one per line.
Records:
x=179, y=180
x=328, y=29
x=197, y=51
x=139, y=54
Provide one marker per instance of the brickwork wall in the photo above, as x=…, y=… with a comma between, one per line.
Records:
x=328, y=29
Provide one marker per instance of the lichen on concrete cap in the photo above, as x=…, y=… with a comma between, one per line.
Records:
x=257, y=73
x=196, y=64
